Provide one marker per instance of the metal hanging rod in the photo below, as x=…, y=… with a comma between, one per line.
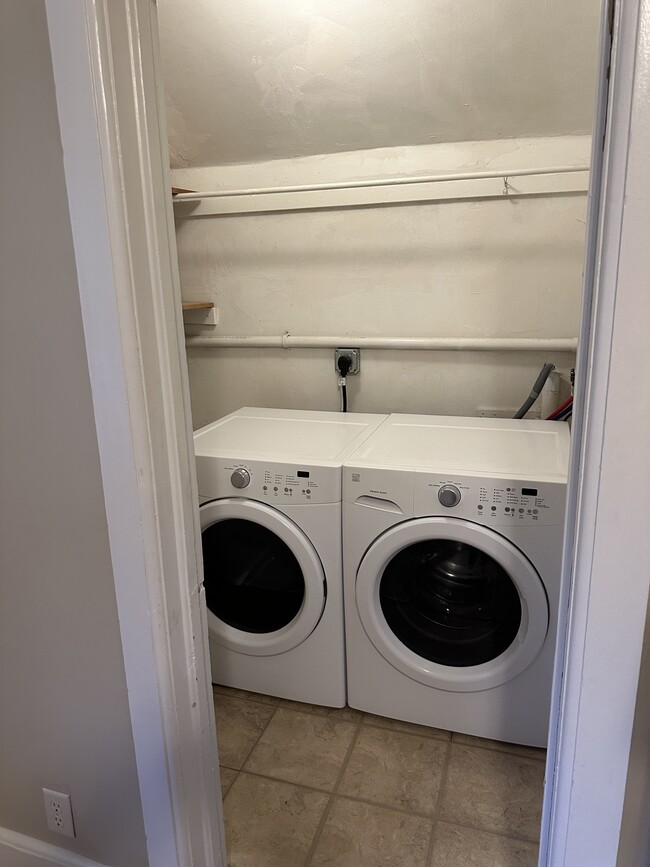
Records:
x=393, y=191
x=389, y=182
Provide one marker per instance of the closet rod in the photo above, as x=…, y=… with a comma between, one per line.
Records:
x=387, y=182
x=393, y=191
x=449, y=344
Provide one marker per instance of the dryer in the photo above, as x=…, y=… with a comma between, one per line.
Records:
x=270, y=492
x=452, y=533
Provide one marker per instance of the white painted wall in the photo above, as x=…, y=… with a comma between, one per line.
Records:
x=458, y=269
x=64, y=717
x=251, y=80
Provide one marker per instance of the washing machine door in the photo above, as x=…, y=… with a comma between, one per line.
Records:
x=264, y=582
x=451, y=604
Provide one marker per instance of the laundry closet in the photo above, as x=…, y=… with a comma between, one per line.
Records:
x=403, y=186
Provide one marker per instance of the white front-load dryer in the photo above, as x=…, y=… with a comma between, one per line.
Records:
x=270, y=492
x=452, y=532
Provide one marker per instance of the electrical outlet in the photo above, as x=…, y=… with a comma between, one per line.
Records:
x=355, y=358
x=58, y=810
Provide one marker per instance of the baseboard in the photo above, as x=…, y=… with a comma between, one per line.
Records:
x=18, y=850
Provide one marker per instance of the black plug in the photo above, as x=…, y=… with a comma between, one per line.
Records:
x=344, y=364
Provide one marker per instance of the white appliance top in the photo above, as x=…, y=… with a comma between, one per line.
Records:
x=286, y=435
x=516, y=448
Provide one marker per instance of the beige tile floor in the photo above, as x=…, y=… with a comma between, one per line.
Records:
x=306, y=786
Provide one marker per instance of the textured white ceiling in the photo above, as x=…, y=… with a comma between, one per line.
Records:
x=250, y=80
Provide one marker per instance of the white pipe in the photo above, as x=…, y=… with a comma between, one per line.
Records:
x=450, y=344
x=564, y=375
x=387, y=182
x=549, y=398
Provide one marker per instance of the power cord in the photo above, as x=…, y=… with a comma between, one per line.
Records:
x=344, y=364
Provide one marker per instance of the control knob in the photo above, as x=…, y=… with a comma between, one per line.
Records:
x=241, y=478
x=449, y=496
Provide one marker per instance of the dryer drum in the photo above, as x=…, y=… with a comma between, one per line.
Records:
x=253, y=581
x=450, y=602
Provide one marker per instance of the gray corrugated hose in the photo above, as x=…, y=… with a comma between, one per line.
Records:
x=536, y=390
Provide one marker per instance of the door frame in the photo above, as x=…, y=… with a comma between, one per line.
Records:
x=111, y=112
x=106, y=63
x=601, y=630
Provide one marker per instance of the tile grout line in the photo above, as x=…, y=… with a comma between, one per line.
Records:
x=490, y=831
x=259, y=737
x=285, y=782
x=237, y=773
x=435, y=817
x=216, y=693
x=328, y=807
x=367, y=724
x=359, y=724
x=355, y=798
x=499, y=751
x=427, y=816
x=428, y=737
x=239, y=770
x=305, y=707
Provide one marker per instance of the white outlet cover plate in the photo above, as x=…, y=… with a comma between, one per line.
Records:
x=58, y=810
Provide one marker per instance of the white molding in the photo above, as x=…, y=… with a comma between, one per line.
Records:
x=105, y=64
x=18, y=850
x=551, y=821
x=607, y=544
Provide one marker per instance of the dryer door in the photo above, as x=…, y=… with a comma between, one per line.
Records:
x=264, y=582
x=451, y=604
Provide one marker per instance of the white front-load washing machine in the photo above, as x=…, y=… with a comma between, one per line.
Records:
x=270, y=491
x=452, y=534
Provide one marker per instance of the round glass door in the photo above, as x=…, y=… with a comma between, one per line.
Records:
x=451, y=604
x=254, y=581
x=264, y=582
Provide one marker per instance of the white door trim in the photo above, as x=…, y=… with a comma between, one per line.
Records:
x=115, y=154
x=607, y=545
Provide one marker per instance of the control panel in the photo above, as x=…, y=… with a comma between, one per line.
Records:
x=275, y=483
x=489, y=501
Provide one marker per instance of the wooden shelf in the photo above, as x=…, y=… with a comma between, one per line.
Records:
x=177, y=190
x=199, y=313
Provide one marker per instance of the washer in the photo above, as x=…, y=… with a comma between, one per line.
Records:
x=452, y=533
x=270, y=492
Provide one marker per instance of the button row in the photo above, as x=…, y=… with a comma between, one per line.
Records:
x=286, y=490
x=509, y=509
